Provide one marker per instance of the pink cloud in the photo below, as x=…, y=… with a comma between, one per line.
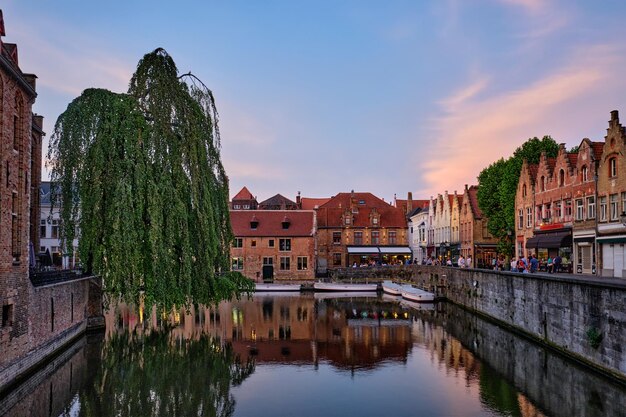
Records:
x=475, y=132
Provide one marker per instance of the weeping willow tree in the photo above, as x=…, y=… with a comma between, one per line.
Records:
x=140, y=176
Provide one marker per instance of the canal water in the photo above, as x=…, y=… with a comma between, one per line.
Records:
x=311, y=355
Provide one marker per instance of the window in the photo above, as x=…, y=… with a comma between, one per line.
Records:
x=284, y=245
x=538, y=214
x=236, y=207
x=614, y=206
x=16, y=238
x=375, y=220
x=336, y=259
x=55, y=229
x=568, y=208
x=7, y=315
x=375, y=237
x=302, y=263
x=336, y=238
x=238, y=243
x=529, y=216
x=613, y=167
x=520, y=218
x=348, y=220
x=558, y=209
x=580, y=212
x=602, y=209
x=591, y=207
x=358, y=238
x=268, y=260
x=246, y=206
x=543, y=183
x=362, y=202
x=253, y=243
x=270, y=243
x=561, y=178
x=237, y=263
x=285, y=263
x=42, y=228
x=524, y=190
x=393, y=237
x=585, y=173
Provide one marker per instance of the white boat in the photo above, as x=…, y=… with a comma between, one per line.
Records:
x=337, y=286
x=395, y=289
x=417, y=306
x=277, y=287
x=420, y=296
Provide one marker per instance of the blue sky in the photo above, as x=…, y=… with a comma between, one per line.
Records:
x=328, y=96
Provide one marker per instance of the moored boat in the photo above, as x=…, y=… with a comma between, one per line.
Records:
x=392, y=288
x=277, y=287
x=337, y=286
x=420, y=296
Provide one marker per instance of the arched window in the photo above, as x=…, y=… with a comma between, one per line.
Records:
x=584, y=173
x=524, y=190
x=561, y=178
x=543, y=183
x=613, y=167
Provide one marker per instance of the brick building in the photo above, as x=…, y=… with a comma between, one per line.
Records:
x=585, y=203
x=244, y=200
x=38, y=317
x=278, y=202
x=273, y=244
x=554, y=215
x=611, y=190
x=476, y=241
x=525, y=208
x=360, y=228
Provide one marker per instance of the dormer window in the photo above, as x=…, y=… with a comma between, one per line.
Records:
x=286, y=222
x=362, y=202
x=254, y=223
x=375, y=221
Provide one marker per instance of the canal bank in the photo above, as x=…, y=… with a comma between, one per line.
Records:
x=584, y=319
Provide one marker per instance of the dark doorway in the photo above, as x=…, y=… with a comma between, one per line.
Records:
x=268, y=273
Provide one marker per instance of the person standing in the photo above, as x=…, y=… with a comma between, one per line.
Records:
x=550, y=264
x=557, y=263
x=513, y=265
x=534, y=264
x=468, y=261
x=461, y=262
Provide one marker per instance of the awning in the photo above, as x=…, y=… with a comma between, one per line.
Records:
x=396, y=250
x=611, y=239
x=550, y=240
x=363, y=250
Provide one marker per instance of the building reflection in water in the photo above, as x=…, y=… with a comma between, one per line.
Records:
x=187, y=362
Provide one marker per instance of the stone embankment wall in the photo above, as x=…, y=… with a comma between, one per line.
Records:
x=585, y=319
x=56, y=314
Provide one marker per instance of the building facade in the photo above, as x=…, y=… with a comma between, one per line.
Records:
x=355, y=229
x=49, y=222
x=611, y=190
x=476, y=241
x=274, y=245
x=525, y=208
x=244, y=200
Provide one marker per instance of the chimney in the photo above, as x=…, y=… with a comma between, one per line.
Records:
x=615, y=116
x=409, y=202
x=299, y=201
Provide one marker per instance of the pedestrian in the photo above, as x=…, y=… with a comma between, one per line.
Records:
x=449, y=262
x=557, y=263
x=550, y=264
x=461, y=262
x=468, y=261
x=534, y=263
x=513, y=265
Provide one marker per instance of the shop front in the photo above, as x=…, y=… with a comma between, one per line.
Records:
x=484, y=254
x=585, y=252
x=550, y=244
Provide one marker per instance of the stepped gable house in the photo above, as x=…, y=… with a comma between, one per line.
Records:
x=476, y=241
x=273, y=244
x=612, y=200
x=554, y=207
x=584, y=193
x=360, y=228
x=525, y=208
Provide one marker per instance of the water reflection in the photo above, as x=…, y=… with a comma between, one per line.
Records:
x=271, y=355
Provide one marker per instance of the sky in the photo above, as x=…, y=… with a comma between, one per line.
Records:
x=331, y=96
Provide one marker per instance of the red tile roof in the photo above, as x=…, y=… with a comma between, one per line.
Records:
x=472, y=193
x=244, y=194
x=573, y=157
x=329, y=214
x=598, y=149
x=270, y=223
x=310, y=203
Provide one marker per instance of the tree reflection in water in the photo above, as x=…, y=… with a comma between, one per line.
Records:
x=157, y=375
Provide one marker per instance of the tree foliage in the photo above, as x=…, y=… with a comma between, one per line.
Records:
x=140, y=176
x=497, y=186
